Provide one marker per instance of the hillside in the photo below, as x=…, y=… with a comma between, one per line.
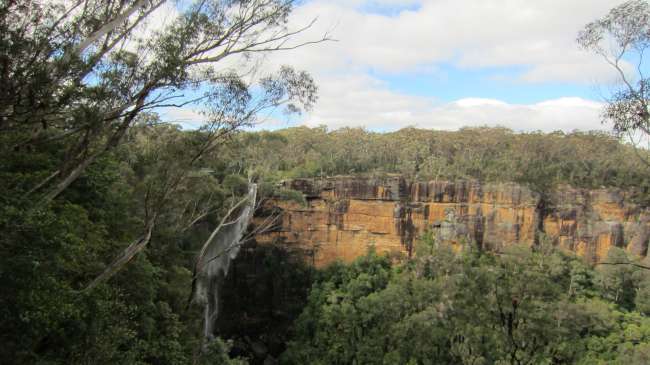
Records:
x=240, y=182
x=481, y=190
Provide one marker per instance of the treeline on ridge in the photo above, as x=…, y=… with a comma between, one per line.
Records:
x=538, y=160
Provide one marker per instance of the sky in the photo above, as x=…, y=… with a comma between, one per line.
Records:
x=447, y=64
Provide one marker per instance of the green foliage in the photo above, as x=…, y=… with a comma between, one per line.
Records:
x=442, y=307
x=522, y=306
x=539, y=160
x=618, y=282
x=52, y=251
x=88, y=171
x=538, y=307
x=85, y=170
x=236, y=184
x=291, y=195
x=217, y=353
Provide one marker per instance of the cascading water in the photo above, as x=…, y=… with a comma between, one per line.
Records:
x=214, y=261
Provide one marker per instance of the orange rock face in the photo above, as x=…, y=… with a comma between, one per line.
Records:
x=344, y=216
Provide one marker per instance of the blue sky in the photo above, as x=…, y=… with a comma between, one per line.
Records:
x=445, y=64
x=450, y=83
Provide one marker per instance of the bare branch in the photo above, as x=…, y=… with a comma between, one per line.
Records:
x=129, y=253
x=110, y=26
x=644, y=267
x=199, y=265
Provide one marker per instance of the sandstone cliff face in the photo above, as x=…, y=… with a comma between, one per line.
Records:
x=346, y=215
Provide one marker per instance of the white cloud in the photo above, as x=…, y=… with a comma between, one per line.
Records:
x=535, y=37
x=466, y=33
x=367, y=102
x=186, y=117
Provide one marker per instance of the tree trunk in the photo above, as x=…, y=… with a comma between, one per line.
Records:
x=129, y=253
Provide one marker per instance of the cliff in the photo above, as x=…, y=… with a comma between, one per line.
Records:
x=345, y=215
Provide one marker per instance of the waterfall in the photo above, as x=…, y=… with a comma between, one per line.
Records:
x=220, y=249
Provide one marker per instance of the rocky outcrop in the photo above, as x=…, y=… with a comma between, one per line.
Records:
x=345, y=215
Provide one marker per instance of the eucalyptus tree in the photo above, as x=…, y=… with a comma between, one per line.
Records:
x=82, y=71
x=179, y=156
x=621, y=38
x=78, y=74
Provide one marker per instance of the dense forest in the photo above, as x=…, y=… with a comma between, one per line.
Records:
x=518, y=307
x=106, y=209
x=52, y=252
x=539, y=160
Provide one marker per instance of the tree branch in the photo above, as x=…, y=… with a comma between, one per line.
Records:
x=129, y=253
x=625, y=263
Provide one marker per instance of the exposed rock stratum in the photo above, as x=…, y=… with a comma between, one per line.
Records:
x=344, y=216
